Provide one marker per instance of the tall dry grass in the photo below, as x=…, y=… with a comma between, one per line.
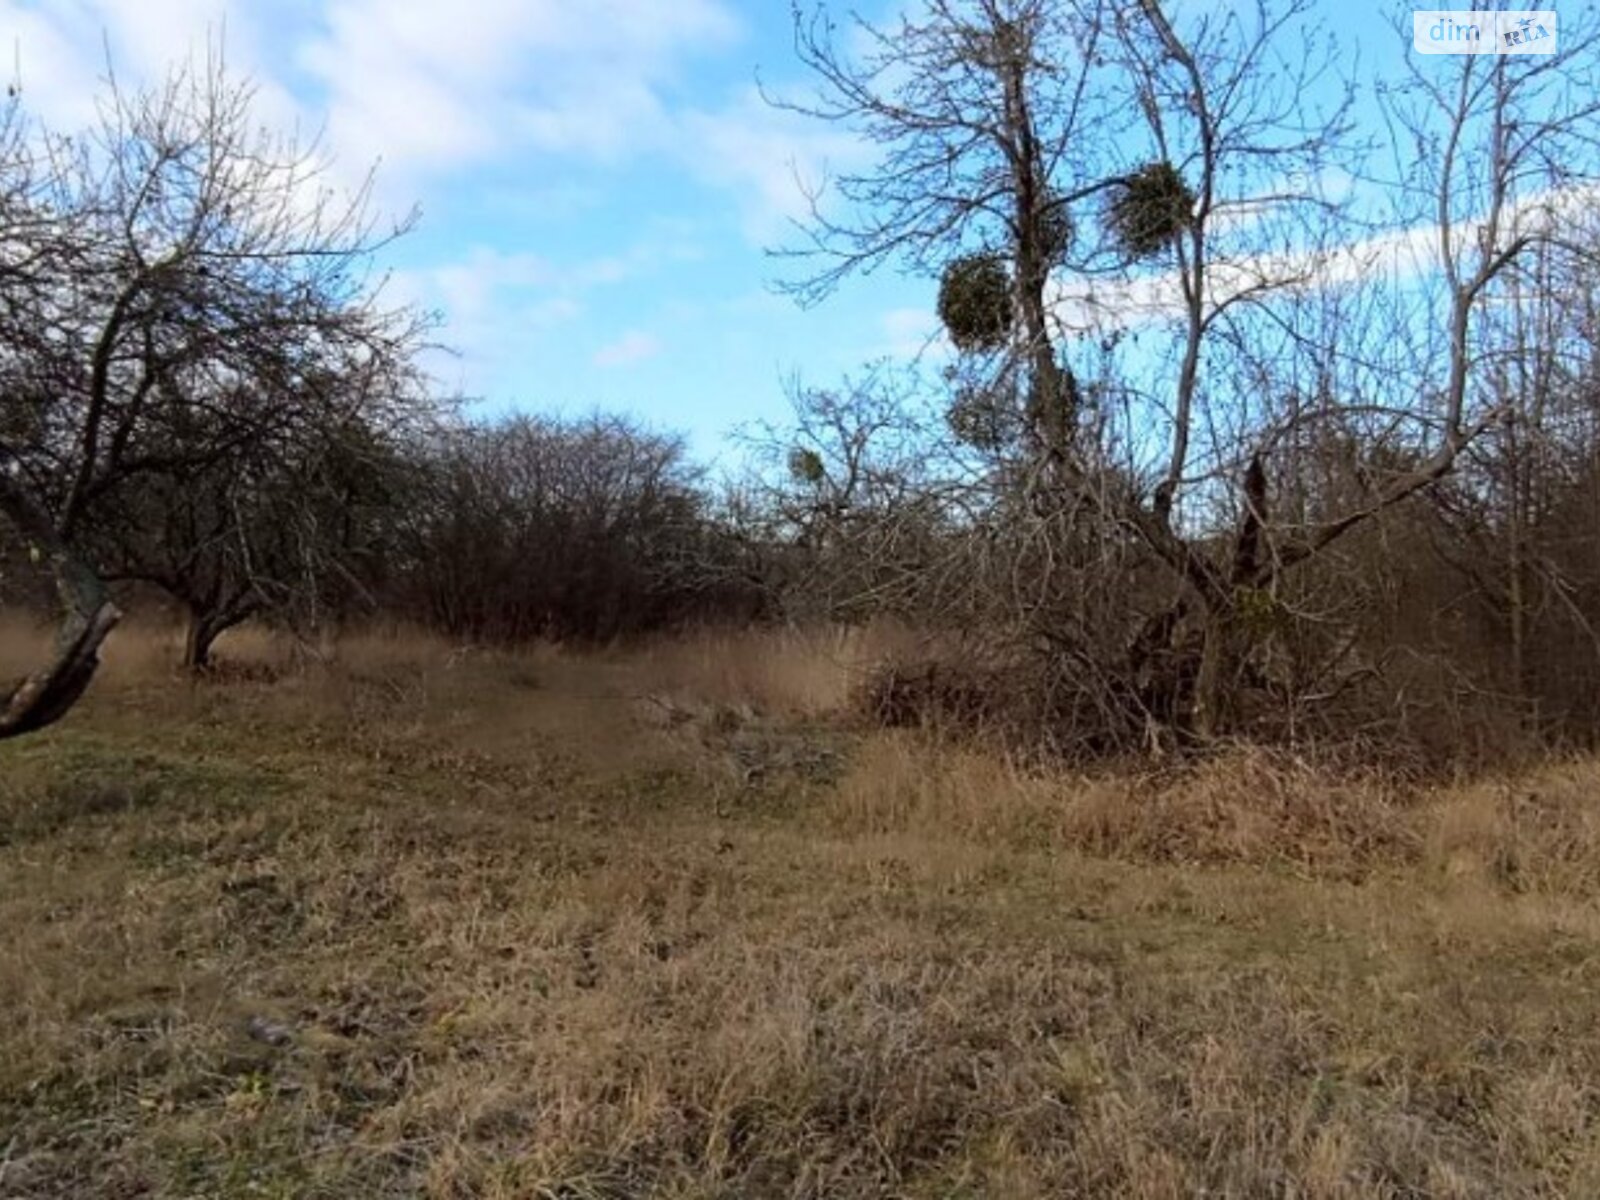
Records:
x=790, y=672
x=1534, y=830
x=1247, y=805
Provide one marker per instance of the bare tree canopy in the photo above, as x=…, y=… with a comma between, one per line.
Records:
x=184, y=292
x=1176, y=272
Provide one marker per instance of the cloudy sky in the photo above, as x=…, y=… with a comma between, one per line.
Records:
x=598, y=180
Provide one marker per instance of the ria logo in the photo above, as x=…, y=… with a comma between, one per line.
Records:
x=1484, y=31
x=1528, y=31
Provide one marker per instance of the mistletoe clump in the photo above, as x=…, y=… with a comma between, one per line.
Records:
x=975, y=301
x=975, y=419
x=1150, y=209
x=806, y=466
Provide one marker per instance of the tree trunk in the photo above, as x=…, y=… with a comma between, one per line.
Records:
x=1215, y=709
x=1050, y=402
x=202, y=632
x=87, y=617
x=1228, y=639
x=208, y=622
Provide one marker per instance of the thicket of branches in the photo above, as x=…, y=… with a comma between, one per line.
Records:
x=587, y=529
x=1260, y=419
x=1249, y=421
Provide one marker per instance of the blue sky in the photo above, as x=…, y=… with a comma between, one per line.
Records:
x=597, y=179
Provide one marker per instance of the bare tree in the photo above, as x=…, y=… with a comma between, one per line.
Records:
x=1488, y=152
x=1228, y=292
x=1514, y=509
x=855, y=487
x=194, y=288
x=37, y=254
x=978, y=106
x=281, y=528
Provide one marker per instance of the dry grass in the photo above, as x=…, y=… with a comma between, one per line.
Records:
x=794, y=673
x=412, y=921
x=1246, y=806
x=21, y=643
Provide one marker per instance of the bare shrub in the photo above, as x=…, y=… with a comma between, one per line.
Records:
x=941, y=695
x=537, y=527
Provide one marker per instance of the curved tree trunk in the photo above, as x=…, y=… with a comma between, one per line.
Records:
x=208, y=622
x=198, y=639
x=45, y=696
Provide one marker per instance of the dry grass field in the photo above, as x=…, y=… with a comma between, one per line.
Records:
x=404, y=920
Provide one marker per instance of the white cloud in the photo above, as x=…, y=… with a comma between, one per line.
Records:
x=422, y=87
x=493, y=303
x=489, y=95
x=62, y=54
x=774, y=158
x=556, y=310
x=1393, y=256
x=912, y=333
x=485, y=280
x=476, y=284
x=47, y=55
x=501, y=307
x=62, y=51
x=632, y=347
x=429, y=87
x=425, y=89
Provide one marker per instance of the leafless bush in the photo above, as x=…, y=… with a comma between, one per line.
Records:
x=536, y=527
